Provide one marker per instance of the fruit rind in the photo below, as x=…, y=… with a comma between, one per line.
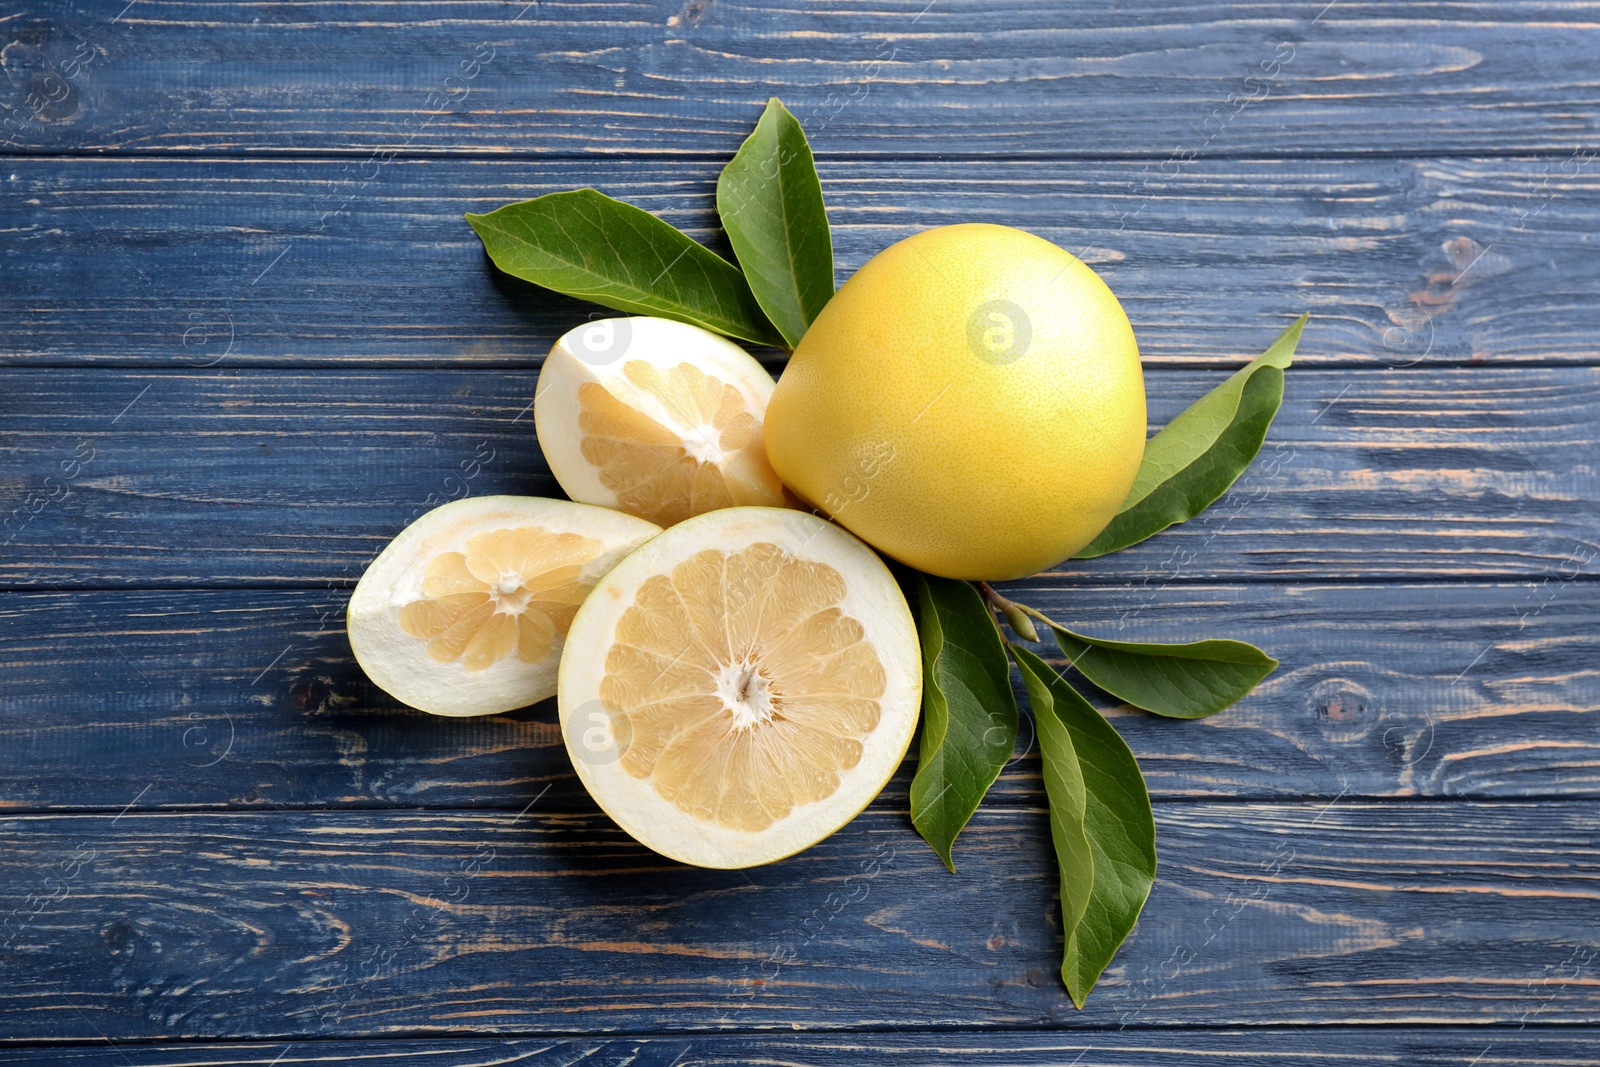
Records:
x=398, y=662
x=872, y=597
x=897, y=417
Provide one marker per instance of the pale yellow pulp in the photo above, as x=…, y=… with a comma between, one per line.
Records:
x=743, y=688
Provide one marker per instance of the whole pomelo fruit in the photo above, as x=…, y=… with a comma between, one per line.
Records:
x=970, y=402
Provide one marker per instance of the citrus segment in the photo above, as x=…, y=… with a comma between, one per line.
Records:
x=655, y=418
x=741, y=686
x=465, y=612
x=512, y=589
x=757, y=688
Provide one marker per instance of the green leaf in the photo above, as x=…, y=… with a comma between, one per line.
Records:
x=585, y=244
x=1117, y=822
x=1199, y=454
x=969, y=712
x=1179, y=681
x=1069, y=798
x=771, y=205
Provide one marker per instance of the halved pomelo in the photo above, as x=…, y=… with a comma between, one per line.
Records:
x=656, y=418
x=466, y=611
x=741, y=686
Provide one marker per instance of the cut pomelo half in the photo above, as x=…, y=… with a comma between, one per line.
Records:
x=741, y=686
x=466, y=611
x=656, y=418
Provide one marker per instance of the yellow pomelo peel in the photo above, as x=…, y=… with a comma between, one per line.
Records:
x=970, y=402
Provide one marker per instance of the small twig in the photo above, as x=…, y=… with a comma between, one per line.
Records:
x=1016, y=615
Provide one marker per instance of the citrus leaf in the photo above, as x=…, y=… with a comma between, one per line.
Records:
x=969, y=712
x=770, y=201
x=1199, y=454
x=1069, y=798
x=1117, y=822
x=585, y=244
x=1187, y=681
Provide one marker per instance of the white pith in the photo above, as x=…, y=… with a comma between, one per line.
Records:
x=745, y=693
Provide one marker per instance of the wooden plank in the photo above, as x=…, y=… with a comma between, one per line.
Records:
x=1277, y=1047
x=186, y=264
x=117, y=478
x=962, y=77
x=250, y=699
x=159, y=927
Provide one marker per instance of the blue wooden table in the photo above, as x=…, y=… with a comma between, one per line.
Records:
x=248, y=337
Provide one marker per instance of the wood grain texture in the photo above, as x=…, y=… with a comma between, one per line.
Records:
x=961, y=77
x=1274, y=1046
x=250, y=699
x=249, y=336
x=274, y=478
x=194, y=264
x=241, y=926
